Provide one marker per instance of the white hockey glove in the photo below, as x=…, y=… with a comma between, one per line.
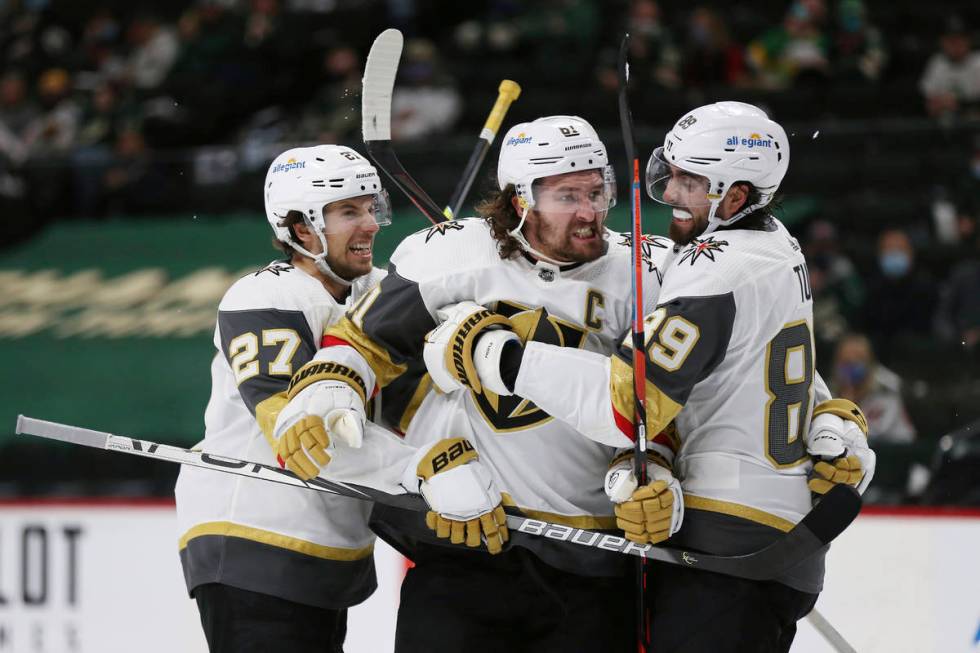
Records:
x=838, y=441
x=457, y=356
x=466, y=505
x=326, y=407
x=651, y=513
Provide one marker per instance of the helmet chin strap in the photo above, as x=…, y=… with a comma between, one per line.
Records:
x=320, y=260
x=714, y=222
x=517, y=234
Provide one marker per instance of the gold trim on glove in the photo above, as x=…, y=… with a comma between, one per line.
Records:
x=266, y=413
x=845, y=409
x=445, y=455
x=316, y=371
x=459, y=353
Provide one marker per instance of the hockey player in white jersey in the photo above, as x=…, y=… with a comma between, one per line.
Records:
x=543, y=264
x=730, y=362
x=274, y=567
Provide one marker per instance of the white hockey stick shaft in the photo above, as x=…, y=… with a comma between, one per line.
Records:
x=834, y=512
x=829, y=633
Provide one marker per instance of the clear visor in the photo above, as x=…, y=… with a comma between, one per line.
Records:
x=361, y=212
x=673, y=186
x=569, y=194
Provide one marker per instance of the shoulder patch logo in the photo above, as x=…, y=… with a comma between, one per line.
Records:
x=442, y=228
x=703, y=247
x=647, y=245
x=276, y=268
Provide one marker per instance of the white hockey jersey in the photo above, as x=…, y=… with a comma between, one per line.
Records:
x=303, y=546
x=542, y=465
x=730, y=359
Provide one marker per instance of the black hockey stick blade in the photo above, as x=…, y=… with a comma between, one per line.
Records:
x=383, y=155
x=828, y=519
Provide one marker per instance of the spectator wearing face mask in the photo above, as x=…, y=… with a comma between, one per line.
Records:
x=901, y=297
x=858, y=376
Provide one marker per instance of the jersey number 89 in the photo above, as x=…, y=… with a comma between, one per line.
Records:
x=788, y=382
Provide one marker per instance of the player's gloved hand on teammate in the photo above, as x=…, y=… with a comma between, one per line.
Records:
x=465, y=349
x=838, y=441
x=465, y=503
x=320, y=415
x=649, y=514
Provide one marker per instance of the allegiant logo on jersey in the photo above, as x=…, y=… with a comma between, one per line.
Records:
x=520, y=139
x=754, y=140
x=291, y=164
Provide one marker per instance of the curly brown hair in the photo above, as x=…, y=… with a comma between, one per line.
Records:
x=497, y=208
x=292, y=218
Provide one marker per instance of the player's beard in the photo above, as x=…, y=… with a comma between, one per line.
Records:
x=347, y=266
x=684, y=232
x=560, y=243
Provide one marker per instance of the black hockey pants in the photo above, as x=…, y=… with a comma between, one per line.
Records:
x=240, y=621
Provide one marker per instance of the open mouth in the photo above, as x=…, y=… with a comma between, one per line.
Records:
x=681, y=215
x=585, y=233
x=361, y=250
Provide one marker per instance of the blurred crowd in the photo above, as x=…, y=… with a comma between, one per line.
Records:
x=102, y=82
x=101, y=101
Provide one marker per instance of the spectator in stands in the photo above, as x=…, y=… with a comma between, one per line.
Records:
x=101, y=116
x=959, y=309
x=135, y=181
x=559, y=35
x=951, y=81
x=155, y=49
x=654, y=57
x=333, y=115
x=710, y=55
x=426, y=102
x=796, y=51
x=53, y=132
x=859, y=47
x=901, y=297
x=858, y=376
x=16, y=113
x=838, y=292
x=100, y=51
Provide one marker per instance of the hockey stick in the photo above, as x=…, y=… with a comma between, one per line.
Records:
x=829, y=633
x=639, y=351
x=376, y=92
x=829, y=518
x=507, y=93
